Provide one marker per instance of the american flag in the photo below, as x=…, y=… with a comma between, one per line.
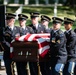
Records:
x=43, y=41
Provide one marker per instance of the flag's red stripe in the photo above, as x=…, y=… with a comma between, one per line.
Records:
x=43, y=44
x=11, y=55
x=27, y=37
x=17, y=39
x=44, y=53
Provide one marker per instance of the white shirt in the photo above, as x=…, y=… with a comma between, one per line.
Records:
x=55, y=30
x=11, y=27
x=36, y=25
x=68, y=30
x=23, y=27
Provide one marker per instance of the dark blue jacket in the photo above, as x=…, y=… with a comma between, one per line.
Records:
x=8, y=36
x=71, y=45
x=58, y=46
x=40, y=29
x=26, y=30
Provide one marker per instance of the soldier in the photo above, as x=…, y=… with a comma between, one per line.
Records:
x=45, y=21
x=70, y=45
x=58, y=51
x=38, y=28
x=9, y=33
x=21, y=66
x=44, y=65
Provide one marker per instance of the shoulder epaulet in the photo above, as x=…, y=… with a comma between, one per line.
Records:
x=60, y=32
x=28, y=27
x=72, y=32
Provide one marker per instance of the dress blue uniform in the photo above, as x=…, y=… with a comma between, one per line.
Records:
x=58, y=51
x=45, y=21
x=70, y=46
x=40, y=29
x=6, y=45
x=8, y=35
x=21, y=66
x=45, y=65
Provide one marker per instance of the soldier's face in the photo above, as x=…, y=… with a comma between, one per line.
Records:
x=56, y=26
x=22, y=22
x=45, y=23
x=10, y=22
x=35, y=20
x=67, y=26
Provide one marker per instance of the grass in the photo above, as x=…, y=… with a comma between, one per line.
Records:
x=63, y=11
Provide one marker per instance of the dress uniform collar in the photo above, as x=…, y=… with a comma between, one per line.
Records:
x=36, y=25
x=55, y=31
x=46, y=27
x=23, y=27
x=67, y=31
x=10, y=27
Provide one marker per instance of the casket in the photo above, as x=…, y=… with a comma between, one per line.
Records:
x=27, y=51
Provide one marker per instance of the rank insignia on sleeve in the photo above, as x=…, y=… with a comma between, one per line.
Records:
x=58, y=41
x=53, y=40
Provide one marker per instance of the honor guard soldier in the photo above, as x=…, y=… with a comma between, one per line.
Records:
x=21, y=66
x=9, y=33
x=70, y=45
x=58, y=51
x=38, y=28
x=45, y=20
x=23, y=28
x=44, y=65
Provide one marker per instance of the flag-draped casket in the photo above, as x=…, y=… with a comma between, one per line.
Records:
x=31, y=47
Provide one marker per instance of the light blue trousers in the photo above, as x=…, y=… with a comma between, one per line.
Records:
x=59, y=69
x=71, y=68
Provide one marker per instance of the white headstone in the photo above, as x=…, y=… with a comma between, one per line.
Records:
x=18, y=11
x=16, y=1
x=37, y=2
x=26, y=2
x=47, y=2
x=5, y=2
x=55, y=8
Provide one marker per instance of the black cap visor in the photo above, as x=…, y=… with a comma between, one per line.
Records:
x=21, y=19
x=8, y=18
x=56, y=22
x=34, y=16
x=65, y=22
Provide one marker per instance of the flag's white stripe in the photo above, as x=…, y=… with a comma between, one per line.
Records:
x=22, y=38
x=41, y=50
x=31, y=37
x=42, y=34
x=11, y=49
